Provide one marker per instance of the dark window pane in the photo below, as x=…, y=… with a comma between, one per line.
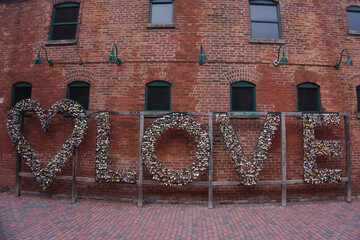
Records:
x=308, y=99
x=21, y=93
x=242, y=99
x=162, y=13
x=64, y=32
x=354, y=20
x=263, y=13
x=358, y=99
x=80, y=95
x=64, y=15
x=158, y=98
x=264, y=30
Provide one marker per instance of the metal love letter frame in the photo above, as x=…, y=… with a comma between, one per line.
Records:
x=102, y=171
x=248, y=171
x=181, y=122
x=313, y=148
x=46, y=175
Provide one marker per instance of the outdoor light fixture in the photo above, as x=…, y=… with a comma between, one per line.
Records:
x=38, y=60
x=283, y=58
x=202, y=57
x=112, y=57
x=349, y=62
x=81, y=61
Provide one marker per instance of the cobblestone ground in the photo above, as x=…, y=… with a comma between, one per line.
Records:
x=42, y=217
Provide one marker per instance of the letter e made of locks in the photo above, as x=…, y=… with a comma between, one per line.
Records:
x=314, y=148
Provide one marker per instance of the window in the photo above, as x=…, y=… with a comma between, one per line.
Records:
x=158, y=96
x=353, y=16
x=161, y=11
x=79, y=92
x=64, y=21
x=308, y=97
x=20, y=91
x=265, y=19
x=243, y=96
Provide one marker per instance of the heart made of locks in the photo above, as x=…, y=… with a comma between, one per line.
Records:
x=46, y=175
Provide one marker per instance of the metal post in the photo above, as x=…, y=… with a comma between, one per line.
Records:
x=210, y=200
x=283, y=160
x=74, y=175
x=140, y=181
x=18, y=163
x=348, y=158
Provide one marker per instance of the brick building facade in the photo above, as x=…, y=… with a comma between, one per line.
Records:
x=313, y=34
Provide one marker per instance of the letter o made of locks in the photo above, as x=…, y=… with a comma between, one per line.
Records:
x=181, y=122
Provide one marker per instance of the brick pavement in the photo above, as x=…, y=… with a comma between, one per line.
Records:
x=42, y=217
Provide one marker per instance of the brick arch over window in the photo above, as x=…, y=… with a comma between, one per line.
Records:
x=159, y=73
x=242, y=74
x=80, y=75
x=350, y=3
x=55, y=2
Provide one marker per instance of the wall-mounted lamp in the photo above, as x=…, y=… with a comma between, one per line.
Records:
x=38, y=60
x=202, y=57
x=112, y=57
x=81, y=61
x=349, y=62
x=283, y=58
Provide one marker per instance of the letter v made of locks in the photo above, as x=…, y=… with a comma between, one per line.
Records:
x=248, y=170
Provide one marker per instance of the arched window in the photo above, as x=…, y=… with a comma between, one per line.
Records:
x=20, y=91
x=79, y=92
x=353, y=17
x=64, y=21
x=265, y=19
x=158, y=96
x=243, y=96
x=308, y=97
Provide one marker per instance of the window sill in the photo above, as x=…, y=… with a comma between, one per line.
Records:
x=267, y=40
x=244, y=115
x=160, y=25
x=354, y=32
x=61, y=42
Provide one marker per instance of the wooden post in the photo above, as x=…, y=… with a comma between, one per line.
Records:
x=210, y=199
x=18, y=163
x=18, y=178
x=74, y=175
x=140, y=181
x=348, y=158
x=283, y=159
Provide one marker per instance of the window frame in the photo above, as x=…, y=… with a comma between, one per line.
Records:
x=358, y=98
x=18, y=85
x=242, y=84
x=278, y=22
x=161, y=2
x=313, y=86
x=79, y=84
x=63, y=5
x=352, y=9
x=157, y=83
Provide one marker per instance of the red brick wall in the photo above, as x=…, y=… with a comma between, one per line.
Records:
x=314, y=32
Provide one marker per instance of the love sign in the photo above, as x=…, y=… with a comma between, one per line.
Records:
x=248, y=170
